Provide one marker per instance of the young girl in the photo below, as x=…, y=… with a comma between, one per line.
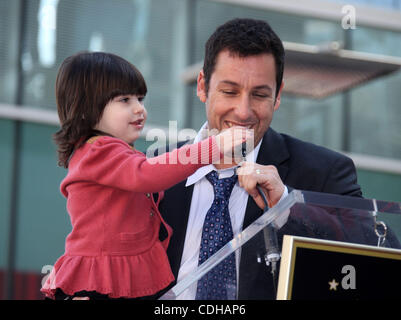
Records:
x=114, y=249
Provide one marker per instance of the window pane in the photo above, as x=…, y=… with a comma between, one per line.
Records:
x=6, y=156
x=376, y=112
x=149, y=34
x=9, y=26
x=43, y=222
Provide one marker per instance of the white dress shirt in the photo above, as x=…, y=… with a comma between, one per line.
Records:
x=202, y=199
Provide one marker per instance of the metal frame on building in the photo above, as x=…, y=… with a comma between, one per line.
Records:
x=49, y=117
x=317, y=71
x=367, y=16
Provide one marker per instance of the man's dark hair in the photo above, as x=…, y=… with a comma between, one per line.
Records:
x=244, y=37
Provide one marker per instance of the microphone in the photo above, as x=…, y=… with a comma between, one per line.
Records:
x=272, y=255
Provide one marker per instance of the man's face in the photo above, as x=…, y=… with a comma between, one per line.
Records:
x=241, y=93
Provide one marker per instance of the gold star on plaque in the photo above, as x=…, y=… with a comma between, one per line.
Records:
x=333, y=285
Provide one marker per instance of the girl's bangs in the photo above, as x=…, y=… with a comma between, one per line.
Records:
x=122, y=78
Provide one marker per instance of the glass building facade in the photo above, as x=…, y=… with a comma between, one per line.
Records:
x=162, y=38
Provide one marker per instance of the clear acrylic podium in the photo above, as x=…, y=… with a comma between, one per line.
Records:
x=346, y=223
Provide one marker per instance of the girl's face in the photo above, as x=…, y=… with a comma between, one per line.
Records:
x=123, y=117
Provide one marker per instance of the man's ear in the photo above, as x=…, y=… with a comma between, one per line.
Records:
x=278, y=98
x=201, y=88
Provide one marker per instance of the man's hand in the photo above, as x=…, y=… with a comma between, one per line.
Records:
x=230, y=142
x=267, y=177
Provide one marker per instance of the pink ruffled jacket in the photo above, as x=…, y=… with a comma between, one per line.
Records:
x=114, y=245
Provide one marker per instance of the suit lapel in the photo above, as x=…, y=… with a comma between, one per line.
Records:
x=273, y=151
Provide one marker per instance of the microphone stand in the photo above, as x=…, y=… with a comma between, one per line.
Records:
x=272, y=255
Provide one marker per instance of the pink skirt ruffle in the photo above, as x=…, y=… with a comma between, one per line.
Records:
x=117, y=276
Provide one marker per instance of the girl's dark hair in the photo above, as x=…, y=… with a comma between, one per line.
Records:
x=85, y=83
x=244, y=37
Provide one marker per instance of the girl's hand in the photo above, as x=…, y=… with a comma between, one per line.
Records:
x=232, y=140
x=267, y=177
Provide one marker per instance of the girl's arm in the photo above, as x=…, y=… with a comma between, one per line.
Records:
x=111, y=162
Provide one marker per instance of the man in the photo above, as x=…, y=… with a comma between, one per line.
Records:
x=241, y=85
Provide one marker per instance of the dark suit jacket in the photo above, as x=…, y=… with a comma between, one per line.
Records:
x=301, y=165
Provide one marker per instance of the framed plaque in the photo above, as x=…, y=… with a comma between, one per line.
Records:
x=315, y=269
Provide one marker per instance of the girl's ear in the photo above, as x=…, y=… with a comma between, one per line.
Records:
x=201, y=89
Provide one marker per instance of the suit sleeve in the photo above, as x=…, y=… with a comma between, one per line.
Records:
x=342, y=178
